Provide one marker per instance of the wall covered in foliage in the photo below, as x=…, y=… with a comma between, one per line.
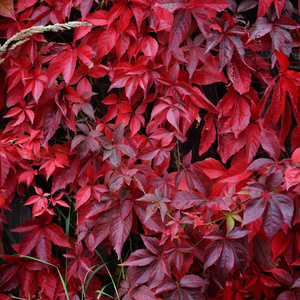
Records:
x=154, y=144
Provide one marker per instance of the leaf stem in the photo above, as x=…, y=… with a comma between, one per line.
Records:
x=169, y=215
x=139, y=184
x=86, y=121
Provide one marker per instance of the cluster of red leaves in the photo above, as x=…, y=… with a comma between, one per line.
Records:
x=99, y=113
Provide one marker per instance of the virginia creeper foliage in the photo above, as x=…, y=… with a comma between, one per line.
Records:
x=102, y=104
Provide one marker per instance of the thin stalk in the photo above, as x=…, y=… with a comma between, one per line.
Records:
x=63, y=215
x=139, y=184
x=86, y=121
x=122, y=270
x=108, y=271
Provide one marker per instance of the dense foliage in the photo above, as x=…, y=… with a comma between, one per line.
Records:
x=102, y=104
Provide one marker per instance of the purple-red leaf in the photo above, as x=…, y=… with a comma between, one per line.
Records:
x=186, y=200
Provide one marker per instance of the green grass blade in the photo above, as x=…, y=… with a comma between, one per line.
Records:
x=100, y=293
x=108, y=271
x=49, y=264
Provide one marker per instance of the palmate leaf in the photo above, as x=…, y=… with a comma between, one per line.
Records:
x=40, y=236
x=11, y=273
x=132, y=286
x=274, y=208
x=225, y=252
x=156, y=264
x=186, y=288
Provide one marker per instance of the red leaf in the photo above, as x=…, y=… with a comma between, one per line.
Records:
x=241, y=256
x=40, y=236
x=262, y=251
x=106, y=41
x=7, y=9
x=239, y=116
x=97, y=18
x=69, y=64
x=292, y=177
x=120, y=230
x=288, y=295
x=211, y=167
x=263, y=6
x=283, y=61
x=279, y=5
x=225, y=262
x=218, y=5
x=200, y=16
x=208, y=135
x=239, y=75
x=85, y=53
x=296, y=284
x=246, y=5
x=296, y=155
x=202, y=183
x=226, y=253
x=51, y=120
x=192, y=281
x=63, y=176
x=149, y=46
x=278, y=102
x=102, y=228
x=272, y=219
x=268, y=281
x=140, y=257
x=118, y=133
x=253, y=139
x=286, y=206
x=85, y=7
x=282, y=276
x=171, y=5
x=180, y=27
x=83, y=195
x=4, y=168
x=148, y=153
x=260, y=28
x=237, y=233
x=212, y=254
x=270, y=143
x=254, y=209
x=186, y=200
x=143, y=292
x=280, y=243
x=226, y=51
x=47, y=282
x=295, y=137
x=56, y=234
x=229, y=145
